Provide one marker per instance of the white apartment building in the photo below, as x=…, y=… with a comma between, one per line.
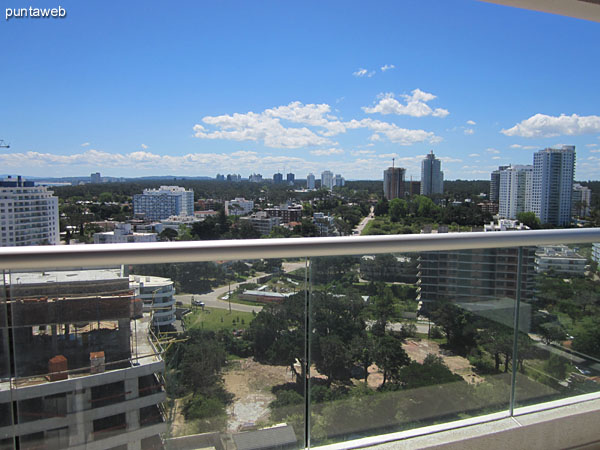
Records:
x=239, y=206
x=123, y=233
x=561, y=260
x=28, y=214
x=174, y=222
x=582, y=199
x=596, y=252
x=157, y=295
x=261, y=222
x=159, y=204
x=515, y=191
x=325, y=224
x=327, y=179
x=552, y=192
x=310, y=181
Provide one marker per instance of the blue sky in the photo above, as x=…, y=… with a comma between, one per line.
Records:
x=146, y=87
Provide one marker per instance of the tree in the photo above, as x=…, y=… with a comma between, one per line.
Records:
x=362, y=348
x=398, y=209
x=552, y=332
x=390, y=357
x=335, y=358
x=530, y=219
x=433, y=371
x=587, y=336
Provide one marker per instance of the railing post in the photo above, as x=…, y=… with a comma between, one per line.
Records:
x=515, y=364
x=307, y=356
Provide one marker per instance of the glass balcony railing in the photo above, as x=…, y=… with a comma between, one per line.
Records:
x=292, y=343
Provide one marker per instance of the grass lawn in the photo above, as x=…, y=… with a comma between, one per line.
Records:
x=215, y=319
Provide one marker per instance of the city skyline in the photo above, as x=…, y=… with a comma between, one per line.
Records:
x=169, y=96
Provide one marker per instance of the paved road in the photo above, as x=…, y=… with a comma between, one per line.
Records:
x=213, y=299
x=363, y=223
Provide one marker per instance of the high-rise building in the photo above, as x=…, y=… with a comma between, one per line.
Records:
x=278, y=178
x=432, y=177
x=495, y=184
x=310, y=181
x=239, y=206
x=339, y=180
x=515, y=191
x=255, y=178
x=393, y=182
x=96, y=178
x=78, y=368
x=290, y=178
x=327, y=179
x=158, y=204
x=582, y=198
x=552, y=193
x=28, y=214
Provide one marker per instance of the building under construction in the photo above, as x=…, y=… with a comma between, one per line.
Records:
x=77, y=368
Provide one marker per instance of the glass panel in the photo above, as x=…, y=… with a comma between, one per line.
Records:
x=401, y=341
x=6, y=414
x=235, y=352
x=71, y=338
x=561, y=358
x=212, y=353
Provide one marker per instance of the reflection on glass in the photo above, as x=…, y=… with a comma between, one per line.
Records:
x=401, y=341
x=234, y=352
x=563, y=353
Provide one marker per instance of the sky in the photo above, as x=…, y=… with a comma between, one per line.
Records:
x=195, y=88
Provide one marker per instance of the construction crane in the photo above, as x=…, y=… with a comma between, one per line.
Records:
x=3, y=145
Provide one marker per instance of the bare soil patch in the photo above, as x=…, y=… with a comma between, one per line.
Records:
x=251, y=382
x=419, y=349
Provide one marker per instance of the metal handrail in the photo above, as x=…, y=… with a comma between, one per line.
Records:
x=44, y=257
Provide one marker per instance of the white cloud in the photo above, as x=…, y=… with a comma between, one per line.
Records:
x=387, y=67
x=492, y=150
x=496, y=157
x=144, y=146
x=474, y=155
x=471, y=122
x=319, y=125
x=266, y=126
x=394, y=133
x=363, y=73
x=362, y=152
x=469, y=131
x=313, y=115
x=85, y=144
x=448, y=159
x=416, y=105
x=591, y=145
x=595, y=151
x=327, y=152
x=524, y=147
x=541, y=125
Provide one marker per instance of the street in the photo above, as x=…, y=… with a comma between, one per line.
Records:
x=213, y=299
x=363, y=223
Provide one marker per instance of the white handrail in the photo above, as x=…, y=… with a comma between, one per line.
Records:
x=50, y=257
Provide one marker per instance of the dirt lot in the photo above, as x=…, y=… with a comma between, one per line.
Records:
x=419, y=349
x=251, y=384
